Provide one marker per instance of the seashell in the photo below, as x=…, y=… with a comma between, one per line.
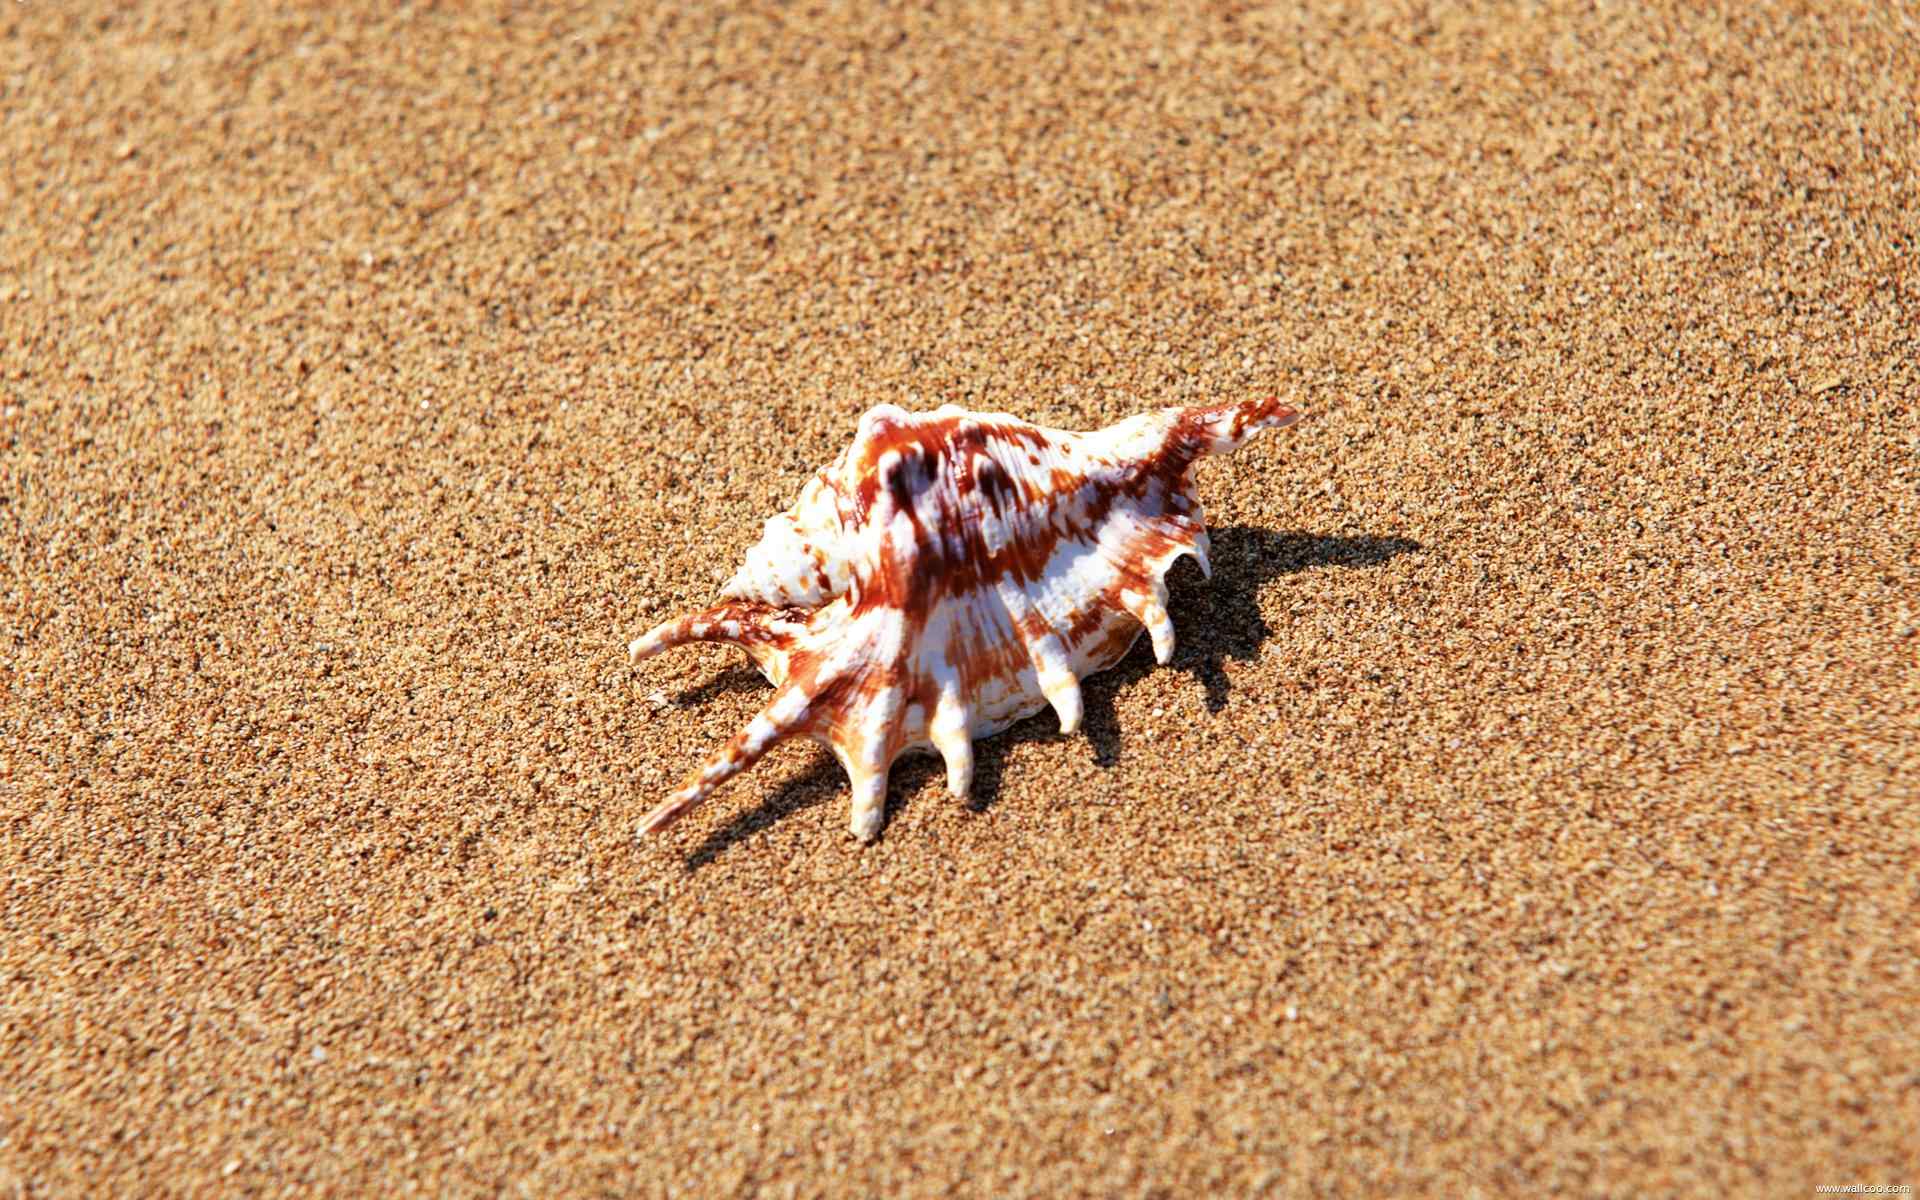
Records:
x=951, y=573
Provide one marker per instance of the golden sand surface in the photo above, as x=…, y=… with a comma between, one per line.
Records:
x=1531, y=804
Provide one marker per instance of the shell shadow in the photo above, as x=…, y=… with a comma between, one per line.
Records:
x=734, y=679
x=1217, y=620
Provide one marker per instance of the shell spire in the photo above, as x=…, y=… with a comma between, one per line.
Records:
x=951, y=573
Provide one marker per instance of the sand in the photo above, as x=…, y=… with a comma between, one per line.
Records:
x=1530, y=806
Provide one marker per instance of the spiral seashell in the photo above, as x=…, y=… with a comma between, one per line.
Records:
x=951, y=573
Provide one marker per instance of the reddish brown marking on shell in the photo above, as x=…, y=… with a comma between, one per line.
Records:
x=956, y=454
x=1087, y=620
x=1034, y=627
x=1117, y=644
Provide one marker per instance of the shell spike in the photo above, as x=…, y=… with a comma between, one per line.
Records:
x=1202, y=551
x=952, y=737
x=869, y=801
x=867, y=751
x=1051, y=662
x=1223, y=428
x=1151, y=611
x=1171, y=439
x=788, y=713
x=1063, y=693
x=735, y=623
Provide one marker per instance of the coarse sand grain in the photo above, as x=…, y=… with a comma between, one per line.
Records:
x=1530, y=807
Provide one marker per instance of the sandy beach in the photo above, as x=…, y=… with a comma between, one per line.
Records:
x=1529, y=808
